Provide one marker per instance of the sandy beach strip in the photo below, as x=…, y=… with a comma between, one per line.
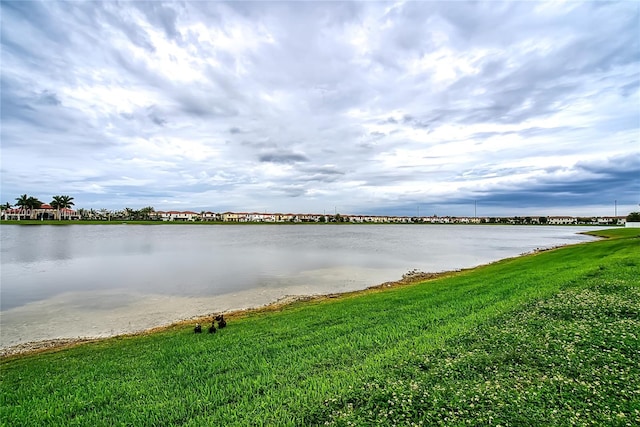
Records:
x=237, y=305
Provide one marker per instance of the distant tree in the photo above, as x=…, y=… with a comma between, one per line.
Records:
x=323, y=219
x=128, y=213
x=28, y=202
x=104, y=214
x=83, y=213
x=633, y=217
x=6, y=206
x=543, y=220
x=61, y=203
x=145, y=213
x=22, y=201
x=33, y=203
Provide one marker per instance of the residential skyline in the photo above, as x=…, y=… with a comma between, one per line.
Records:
x=149, y=212
x=376, y=108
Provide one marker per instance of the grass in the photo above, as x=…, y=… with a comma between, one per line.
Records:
x=546, y=339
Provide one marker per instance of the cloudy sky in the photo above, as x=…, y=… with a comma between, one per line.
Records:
x=354, y=107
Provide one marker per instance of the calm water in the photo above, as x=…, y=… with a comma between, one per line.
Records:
x=84, y=280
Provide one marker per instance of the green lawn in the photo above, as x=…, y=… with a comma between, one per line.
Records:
x=547, y=339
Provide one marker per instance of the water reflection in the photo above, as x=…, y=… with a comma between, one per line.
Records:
x=35, y=246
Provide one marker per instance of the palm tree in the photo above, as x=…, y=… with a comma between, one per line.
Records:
x=61, y=202
x=146, y=212
x=128, y=213
x=118, y=215
x=22, y=201
x=33, y=203
x=28, y=202
x=104, y=214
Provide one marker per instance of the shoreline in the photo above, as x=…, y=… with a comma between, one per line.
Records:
x=412, y=277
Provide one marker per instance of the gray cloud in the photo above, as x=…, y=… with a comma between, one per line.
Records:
x=282, y=157
x=320, y=174
x=48, y=98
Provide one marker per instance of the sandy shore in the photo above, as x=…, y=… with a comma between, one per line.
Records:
x=247, y=302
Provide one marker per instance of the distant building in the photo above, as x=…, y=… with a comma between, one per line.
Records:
x=44, y=212
x=611, y=220
x=183, y=216
x=210, y=216
x=561, y=220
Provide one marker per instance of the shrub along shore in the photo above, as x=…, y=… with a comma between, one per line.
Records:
x=550, y=338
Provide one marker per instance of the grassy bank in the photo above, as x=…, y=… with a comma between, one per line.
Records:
x=547, y=339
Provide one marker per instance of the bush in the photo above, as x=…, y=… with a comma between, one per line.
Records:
x=633, y=217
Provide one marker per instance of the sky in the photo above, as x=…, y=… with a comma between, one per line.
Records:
x=388, y=108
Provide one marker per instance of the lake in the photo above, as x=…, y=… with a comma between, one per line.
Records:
x=101, y=280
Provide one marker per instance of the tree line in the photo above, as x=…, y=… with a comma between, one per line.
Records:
x=30, y=202
x=60, y=202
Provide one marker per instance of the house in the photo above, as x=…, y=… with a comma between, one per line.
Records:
x=362, y=218
x=235, y=217
x=561, y=220
x=289, y=217
x=44, y=212
x=16, y=214
x=309, y=217
x=611, y=220
x=210, y=216
x=69, y=214
x=156, y=215
x=260, y=217
x=178, y=216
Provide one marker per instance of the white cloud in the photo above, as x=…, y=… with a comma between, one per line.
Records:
x=308, y=106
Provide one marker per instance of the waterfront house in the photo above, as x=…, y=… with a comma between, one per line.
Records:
x=261, y=217
x=44, y=212
x=561, y=220
x=210, y=216
x=309, y=217
x=235, y=217
x=178, y=216
x=611, y=220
